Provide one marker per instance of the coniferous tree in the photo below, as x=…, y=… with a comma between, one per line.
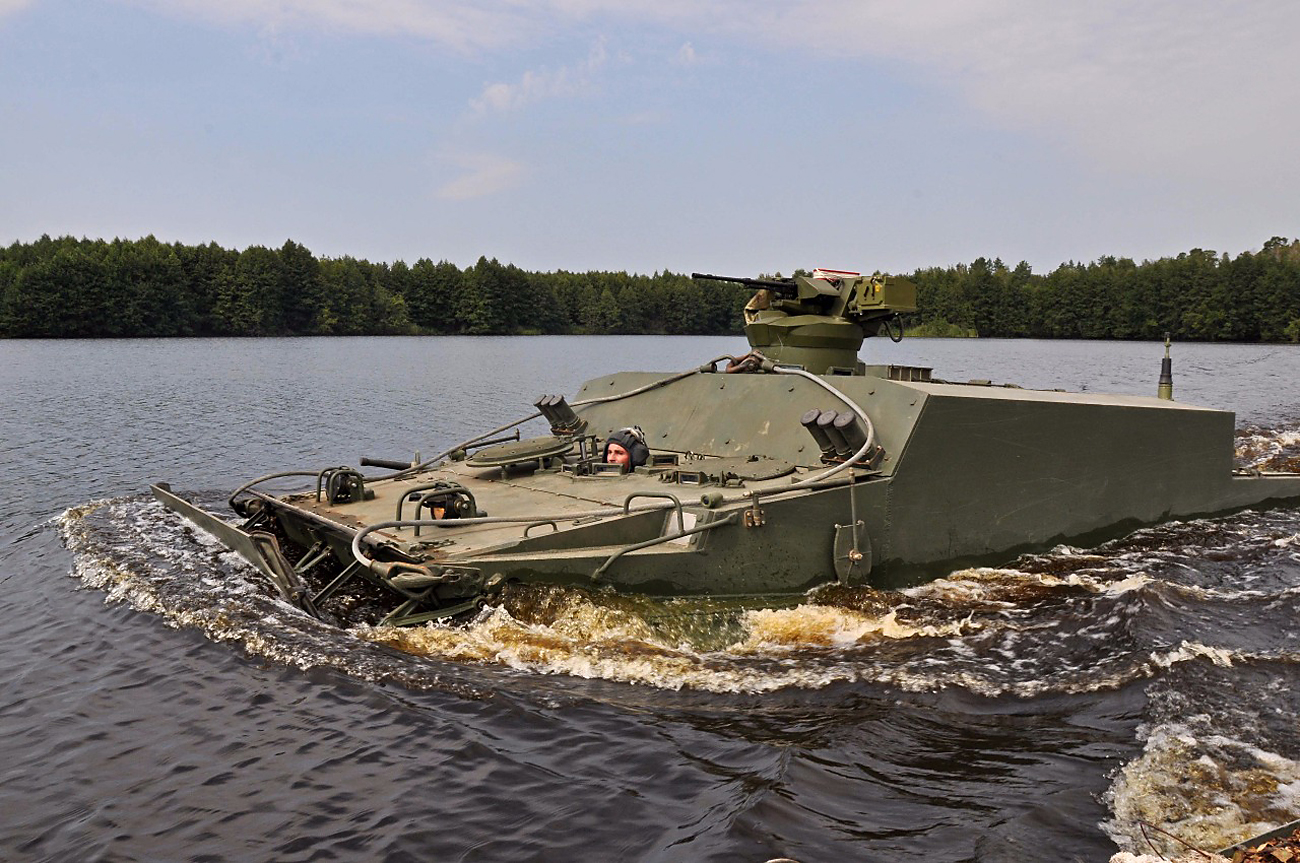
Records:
x=69, y=287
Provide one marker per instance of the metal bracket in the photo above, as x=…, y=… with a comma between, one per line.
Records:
x=851, y=552
x=754, y=515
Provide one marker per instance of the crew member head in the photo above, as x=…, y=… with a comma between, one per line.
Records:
x=626, y=447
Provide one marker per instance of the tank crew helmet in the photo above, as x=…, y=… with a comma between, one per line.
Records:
x=630, y=440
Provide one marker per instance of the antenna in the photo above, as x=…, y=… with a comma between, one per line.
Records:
x=1165, y=389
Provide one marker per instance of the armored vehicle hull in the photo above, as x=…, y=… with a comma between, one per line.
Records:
x=764, y=478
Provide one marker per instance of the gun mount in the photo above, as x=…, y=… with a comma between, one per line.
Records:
x=819, y=321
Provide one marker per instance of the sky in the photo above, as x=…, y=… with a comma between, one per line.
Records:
x=733, y=136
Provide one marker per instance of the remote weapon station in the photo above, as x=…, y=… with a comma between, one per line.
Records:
x=769, y=473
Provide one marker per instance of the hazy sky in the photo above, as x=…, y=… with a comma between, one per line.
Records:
x=735, y=136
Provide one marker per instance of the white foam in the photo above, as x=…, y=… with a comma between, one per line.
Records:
x=1208, y=789
x=1189, y=650
x=593, y=642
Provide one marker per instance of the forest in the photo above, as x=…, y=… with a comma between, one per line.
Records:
x=80, y=288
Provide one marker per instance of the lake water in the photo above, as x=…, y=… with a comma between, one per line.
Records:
x=159, y=705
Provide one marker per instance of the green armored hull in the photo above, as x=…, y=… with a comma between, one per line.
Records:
x=794, y=466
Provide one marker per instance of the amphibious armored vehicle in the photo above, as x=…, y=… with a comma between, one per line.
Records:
x=768, y=473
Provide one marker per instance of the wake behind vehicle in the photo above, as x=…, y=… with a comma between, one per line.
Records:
x=791, y=466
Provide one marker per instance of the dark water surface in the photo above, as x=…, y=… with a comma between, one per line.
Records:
x=159, y=705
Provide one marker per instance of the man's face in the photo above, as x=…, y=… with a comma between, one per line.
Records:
x=616, y=454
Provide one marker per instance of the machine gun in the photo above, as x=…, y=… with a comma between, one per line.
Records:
x=819, y=321
x=784, y=287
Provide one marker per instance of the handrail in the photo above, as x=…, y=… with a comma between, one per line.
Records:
x=406, y=494
x=433, y=489
x=325, y=480
x=730, y=519
x=436, y=492
x=681, y=519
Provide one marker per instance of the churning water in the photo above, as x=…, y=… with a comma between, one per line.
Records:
x=162, y=704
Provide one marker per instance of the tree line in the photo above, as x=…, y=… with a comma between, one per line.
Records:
x=80, y=288
x=1197, y=296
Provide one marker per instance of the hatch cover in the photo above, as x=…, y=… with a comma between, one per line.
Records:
x=515, y=452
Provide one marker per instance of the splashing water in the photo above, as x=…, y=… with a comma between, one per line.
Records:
x=1062, y=622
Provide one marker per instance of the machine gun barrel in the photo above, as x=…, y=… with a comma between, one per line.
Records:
x=390, y=463
x=784, y=287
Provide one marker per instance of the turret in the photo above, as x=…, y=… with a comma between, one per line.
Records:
x=819, y=321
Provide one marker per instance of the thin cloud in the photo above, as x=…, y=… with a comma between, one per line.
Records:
x=486, y=174
x=685, y=55
x=461, y=26
x=1165, y=86
x=536, y=86
x=9, y=7
x=1181, y=86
